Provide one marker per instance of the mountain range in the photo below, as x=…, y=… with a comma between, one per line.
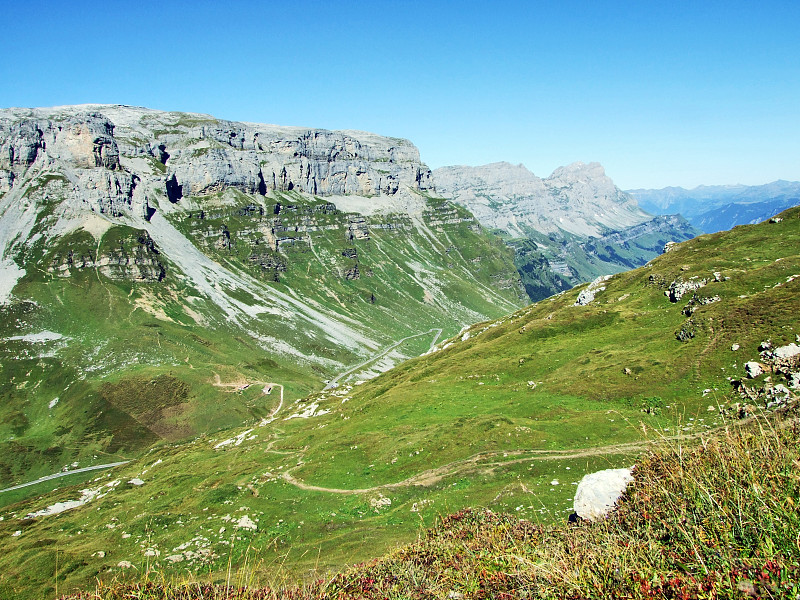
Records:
x=229, y=344
x=568, y=228
x=712, y=208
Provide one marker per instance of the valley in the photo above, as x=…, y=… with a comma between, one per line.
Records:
x=165, y=275
x=346, y=473
x=161, y=250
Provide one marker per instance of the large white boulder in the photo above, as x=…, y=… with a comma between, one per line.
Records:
x=597, y=493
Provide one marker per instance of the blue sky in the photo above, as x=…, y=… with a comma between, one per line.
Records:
x=661, y=93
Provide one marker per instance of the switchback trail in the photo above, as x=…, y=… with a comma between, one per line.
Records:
x=335, y=381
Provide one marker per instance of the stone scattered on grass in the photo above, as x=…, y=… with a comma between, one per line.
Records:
x=753, y=369
x=246, y=523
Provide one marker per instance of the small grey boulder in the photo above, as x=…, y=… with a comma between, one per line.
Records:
x=753, y=369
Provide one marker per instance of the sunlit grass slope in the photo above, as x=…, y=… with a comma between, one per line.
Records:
x=507, y=415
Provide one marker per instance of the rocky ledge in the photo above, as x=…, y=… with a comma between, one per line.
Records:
x=117, y=158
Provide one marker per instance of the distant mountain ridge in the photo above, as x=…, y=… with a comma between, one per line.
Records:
x=713, y=208
x=565, y=229
x=578, y=199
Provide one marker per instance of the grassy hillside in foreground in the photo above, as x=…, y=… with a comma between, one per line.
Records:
x=715, y=518
x=508, y=415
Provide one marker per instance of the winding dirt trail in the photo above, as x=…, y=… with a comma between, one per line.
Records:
x=486, y=461
x=479, y=461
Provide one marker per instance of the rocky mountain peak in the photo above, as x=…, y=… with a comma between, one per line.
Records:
x=580, y=171
x=579, y=198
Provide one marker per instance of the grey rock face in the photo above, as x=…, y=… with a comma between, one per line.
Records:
x=579, y=198
x=587, y=295
x=21, y=145
x=106, y=192
x=679, y=287
x=106, y=151
x=598, y=492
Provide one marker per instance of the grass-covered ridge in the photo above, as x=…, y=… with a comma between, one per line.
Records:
x=491, y=419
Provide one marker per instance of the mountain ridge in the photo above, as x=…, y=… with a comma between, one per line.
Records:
x=166, y=250
x=525, y=197
x=713, y=208
x=568, y=228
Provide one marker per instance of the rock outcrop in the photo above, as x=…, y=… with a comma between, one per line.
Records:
x=598, y=493
x=135, y=258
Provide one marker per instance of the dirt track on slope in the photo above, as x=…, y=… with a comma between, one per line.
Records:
x=482, y=461
x=487, y=461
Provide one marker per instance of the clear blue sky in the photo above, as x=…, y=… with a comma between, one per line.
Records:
x=661, y=93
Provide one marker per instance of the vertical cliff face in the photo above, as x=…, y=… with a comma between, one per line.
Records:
x=195, y=155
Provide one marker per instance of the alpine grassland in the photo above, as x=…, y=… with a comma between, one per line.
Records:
x=711, y=517
x=459, y=466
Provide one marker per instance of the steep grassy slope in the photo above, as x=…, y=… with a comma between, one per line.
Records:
x=110, y=345
x=712, y=517
x=507, y=415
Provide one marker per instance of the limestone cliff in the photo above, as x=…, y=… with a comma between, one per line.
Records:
x=180, y=154
x=578, y=199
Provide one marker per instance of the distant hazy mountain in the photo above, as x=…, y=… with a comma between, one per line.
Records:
x=565, y=229
x=716, y=207
x=579, y=199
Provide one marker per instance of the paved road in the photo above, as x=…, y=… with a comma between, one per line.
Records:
x=64, y=474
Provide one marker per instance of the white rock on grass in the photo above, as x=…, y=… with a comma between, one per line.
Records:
x=587, y=295
x=753, y=369
x=246, y=523
x=787, y=352
x=597, y=493
x=59, y=507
